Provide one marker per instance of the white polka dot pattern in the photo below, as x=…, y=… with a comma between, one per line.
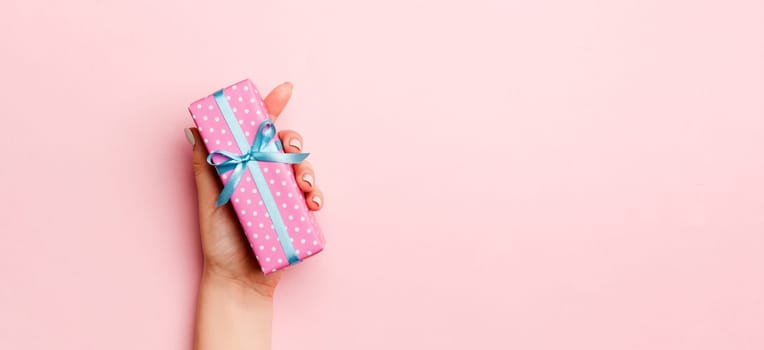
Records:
x=304, y=233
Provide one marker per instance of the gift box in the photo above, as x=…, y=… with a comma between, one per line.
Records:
x=257, y=175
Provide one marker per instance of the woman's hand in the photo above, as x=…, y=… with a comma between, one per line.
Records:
x=235, y=297
x=226, y=251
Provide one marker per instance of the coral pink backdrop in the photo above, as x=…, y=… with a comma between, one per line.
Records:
x=499, y=174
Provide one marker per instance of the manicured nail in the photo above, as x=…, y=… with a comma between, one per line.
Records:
x=190, y=136
x=317, y=200
x=308, y=178
x=296, y=144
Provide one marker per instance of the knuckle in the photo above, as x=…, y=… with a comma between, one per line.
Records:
x=198, y=166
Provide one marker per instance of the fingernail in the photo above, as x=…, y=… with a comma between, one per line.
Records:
x=190, y=136
x=308, y=178
x=296, y=144
x=317, y=200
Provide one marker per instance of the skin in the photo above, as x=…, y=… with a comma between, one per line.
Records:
x=235, y=306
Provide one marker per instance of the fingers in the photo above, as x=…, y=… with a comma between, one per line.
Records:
x=304, y=174
x=277, y=99
x=306, y=178
x=291, y=140
x=207, y=184
x=314, y=199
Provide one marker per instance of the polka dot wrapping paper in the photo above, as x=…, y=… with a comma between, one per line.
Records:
x=246, y=105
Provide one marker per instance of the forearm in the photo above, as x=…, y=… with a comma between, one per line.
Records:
x=231, y=316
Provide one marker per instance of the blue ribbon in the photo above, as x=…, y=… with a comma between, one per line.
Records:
x=258, y=152
x=263, y=149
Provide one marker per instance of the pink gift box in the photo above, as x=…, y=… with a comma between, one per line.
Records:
x=244, y=108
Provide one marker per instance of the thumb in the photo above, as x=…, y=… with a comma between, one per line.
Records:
x=207, y=184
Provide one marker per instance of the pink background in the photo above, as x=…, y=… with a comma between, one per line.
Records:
x=499, y=174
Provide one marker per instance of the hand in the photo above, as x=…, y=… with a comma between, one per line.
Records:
x=227, y=254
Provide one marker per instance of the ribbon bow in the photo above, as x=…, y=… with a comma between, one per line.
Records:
x=258, y=152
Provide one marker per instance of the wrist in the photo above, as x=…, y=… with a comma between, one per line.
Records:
x=231, y=314
x=238, y=288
